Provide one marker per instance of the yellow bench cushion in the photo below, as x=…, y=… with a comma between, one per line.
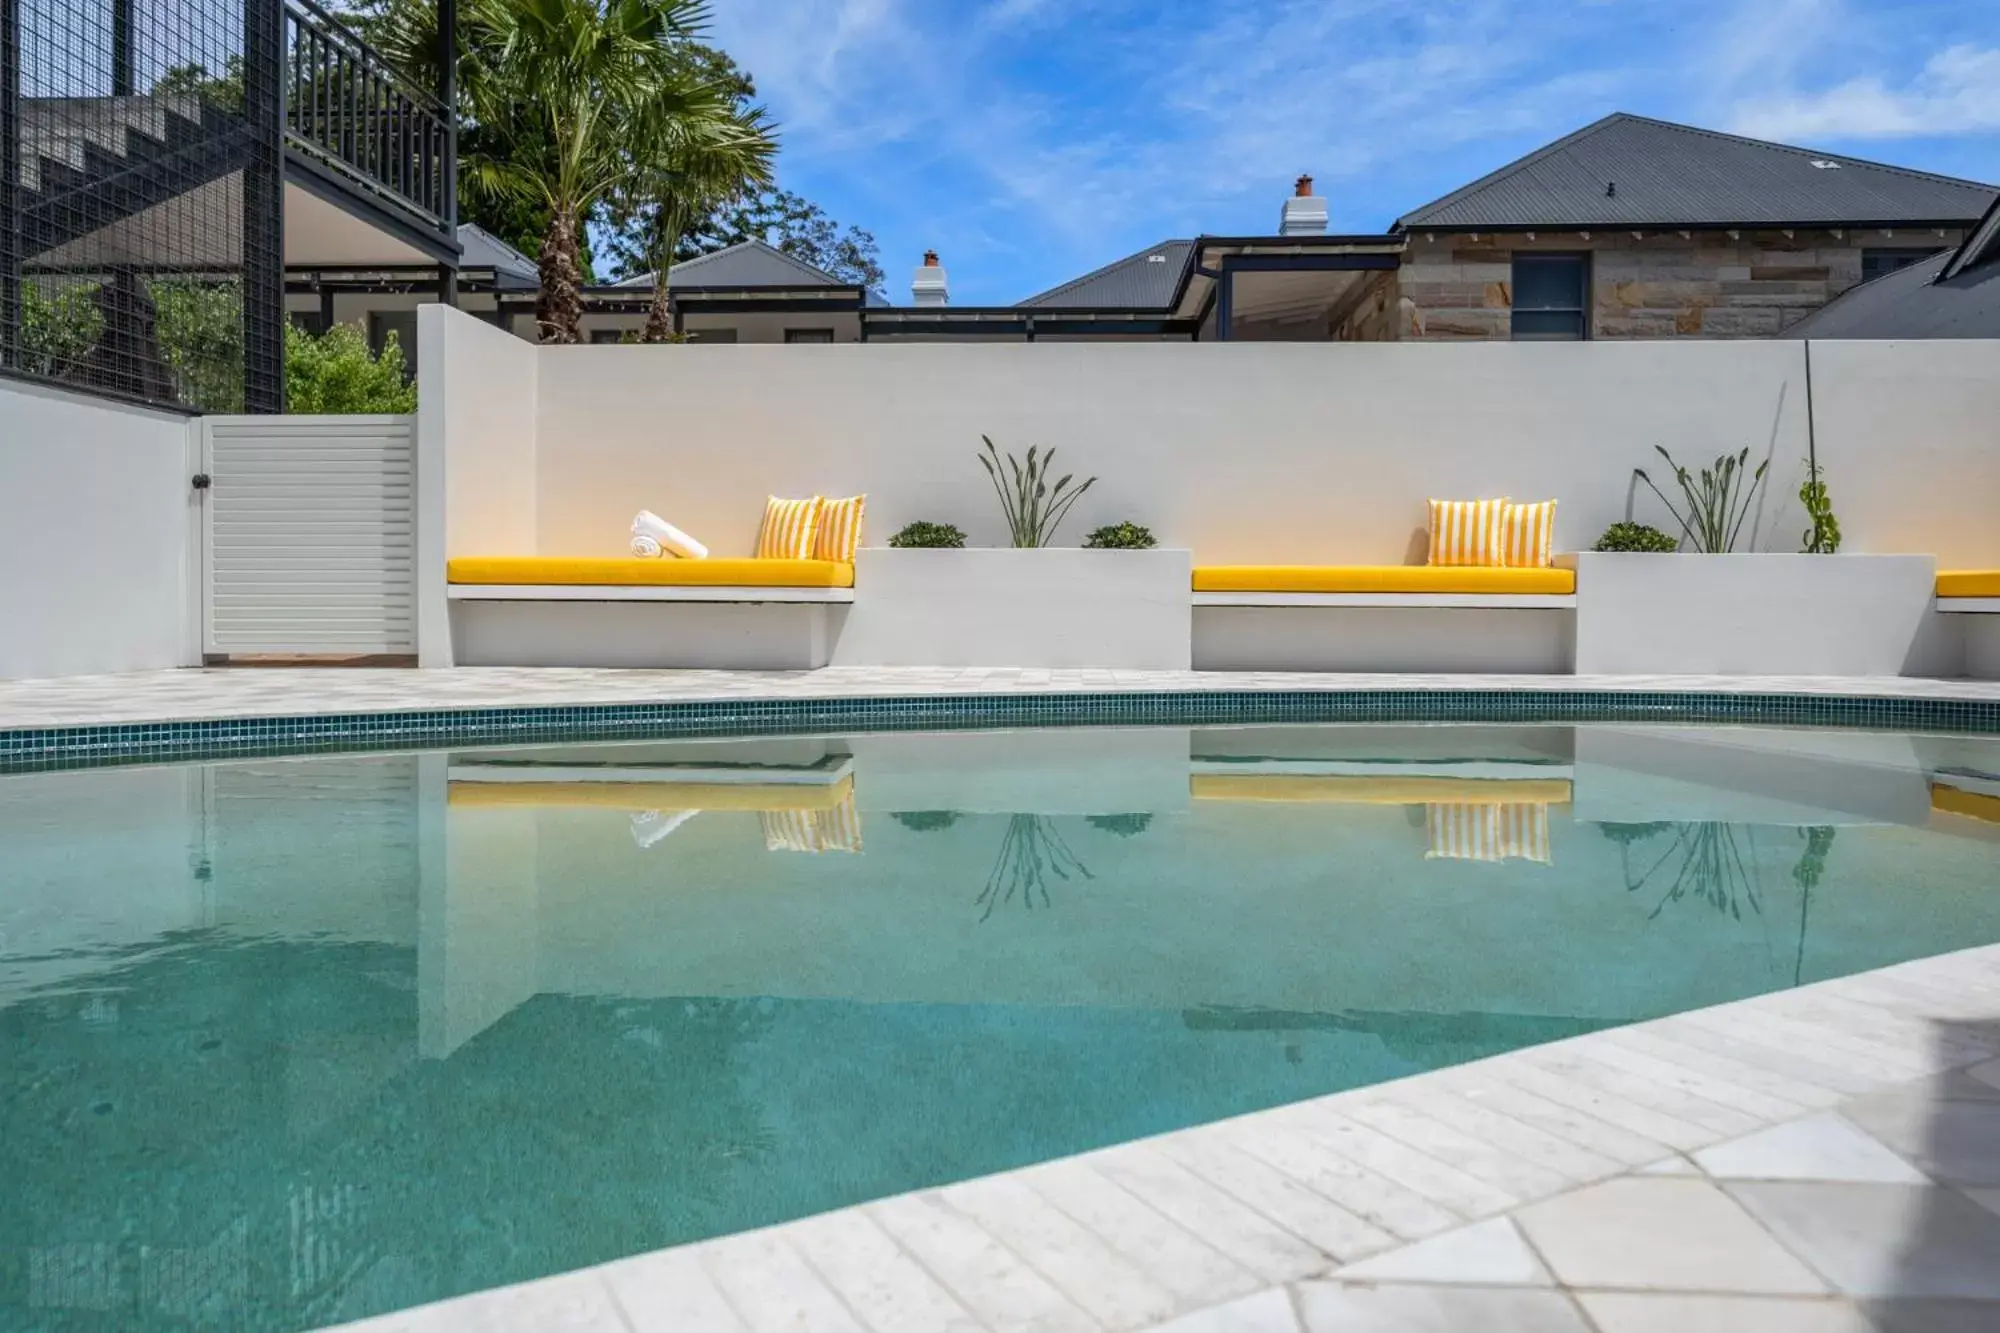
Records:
x=567, y=571
x=1969, y=583
x=1383, y=578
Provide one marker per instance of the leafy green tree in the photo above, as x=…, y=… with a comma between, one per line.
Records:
x=336, y=373
x=58, y=329
x=794, y=225
x=194, y=80
x=199, y=328
x=564, y=92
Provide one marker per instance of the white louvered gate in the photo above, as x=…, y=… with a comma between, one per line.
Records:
x=309, y=536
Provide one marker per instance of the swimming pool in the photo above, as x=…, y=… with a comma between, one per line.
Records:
x=290, y=1041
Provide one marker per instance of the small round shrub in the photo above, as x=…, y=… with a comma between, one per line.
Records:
x=933, y=535
x=1121, y=537
x=1636, y=537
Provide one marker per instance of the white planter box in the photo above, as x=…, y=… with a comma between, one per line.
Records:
x=1758, y=615
x=1052, y=607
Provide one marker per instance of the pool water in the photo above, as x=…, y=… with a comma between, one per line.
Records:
x=291, y=1041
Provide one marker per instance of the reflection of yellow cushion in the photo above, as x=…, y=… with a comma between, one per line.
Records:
x=1468, y=532
x=836, y=828
x=1530, y=531
x=1970, y=804
x=839, y=529
x=655, y=795
x=1968, y=583
x=1490, y=832
x=1359, y=789
x=565, y=571
x=1383, y=578
x=789, y=527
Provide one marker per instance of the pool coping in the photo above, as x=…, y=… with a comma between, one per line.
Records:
x=1276, y=1205
x=310, y=712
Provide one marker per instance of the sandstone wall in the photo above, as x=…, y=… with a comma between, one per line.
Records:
x=1655, y=285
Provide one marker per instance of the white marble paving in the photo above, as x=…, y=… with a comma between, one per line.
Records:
x=1845, y=1188
x=160, y=696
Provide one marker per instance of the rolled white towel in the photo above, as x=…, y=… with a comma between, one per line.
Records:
x=649, y=826
x=646, y=523
x=645, y=547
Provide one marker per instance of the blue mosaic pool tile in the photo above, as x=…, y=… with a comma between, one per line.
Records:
x=36, y=748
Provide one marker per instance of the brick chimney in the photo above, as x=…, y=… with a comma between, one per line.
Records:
x=928, y=286
x=1304, y=213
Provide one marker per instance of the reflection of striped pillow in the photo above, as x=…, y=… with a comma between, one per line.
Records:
x=1468, y=532
x=839, y=529
x=837, y=829
x=1529, y=531
x=788, y=530
x=1515, y=831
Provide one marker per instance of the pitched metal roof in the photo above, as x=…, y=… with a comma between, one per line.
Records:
x=1143, y=281
x=480, y=248
x=1954, y=295
x=749, y=263
x=1628, y=170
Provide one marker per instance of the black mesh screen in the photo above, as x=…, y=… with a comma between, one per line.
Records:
x=139, y=210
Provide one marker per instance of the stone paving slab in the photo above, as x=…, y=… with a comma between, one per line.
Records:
x=176, y=696
x=1658, y=1177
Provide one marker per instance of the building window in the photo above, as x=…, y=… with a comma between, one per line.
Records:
x=307, y=321
x=808, y=335
x=611, y=335
x=1551, y=298
x=1880, y=263
x=711, y=335
x=402, y=323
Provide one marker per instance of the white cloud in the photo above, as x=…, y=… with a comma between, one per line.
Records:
x=1956, y=92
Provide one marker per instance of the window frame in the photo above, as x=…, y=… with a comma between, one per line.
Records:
x=1582, y=311
x=816, y=336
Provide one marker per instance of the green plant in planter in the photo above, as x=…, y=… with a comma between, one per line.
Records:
x=936, y=536
x=1033, y=508
x=1121, y=537
x=1823, y=537
x=1717, y=503
x=1636, y=537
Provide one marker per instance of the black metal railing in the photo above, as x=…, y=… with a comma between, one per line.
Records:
x=347, y=108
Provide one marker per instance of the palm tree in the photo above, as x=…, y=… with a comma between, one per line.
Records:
x=685, y=171
x=562, y=90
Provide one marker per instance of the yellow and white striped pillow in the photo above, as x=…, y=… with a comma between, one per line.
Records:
x=839, y=529
x=836, y=829
x=1530, y=530
x=1468, y=532
x=789, y=527
x=1514, y=830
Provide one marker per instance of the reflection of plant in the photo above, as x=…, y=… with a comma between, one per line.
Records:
x=1636, y=537
x=1709, y=862
x=1718, y=505
x=1125, y=826
x=925, y=821
x=1812, y=864
x=1034, y=509
x=1031, y=851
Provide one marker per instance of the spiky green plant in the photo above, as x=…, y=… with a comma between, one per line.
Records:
x=1718, y=502
x=1033, y=508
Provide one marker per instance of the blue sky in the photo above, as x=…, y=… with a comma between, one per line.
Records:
x=1032, y=140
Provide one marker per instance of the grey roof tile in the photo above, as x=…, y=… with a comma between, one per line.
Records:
x=480, y=248
x=746, y=264
x=1142, y=281
x=1676, y=175
x=1912, y=303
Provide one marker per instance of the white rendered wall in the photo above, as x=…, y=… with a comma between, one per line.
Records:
x=1909, y=440
x=476, y=457
x=97, y=531
x=1242, y=452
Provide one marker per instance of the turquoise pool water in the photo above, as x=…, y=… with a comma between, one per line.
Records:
x=287, y=1042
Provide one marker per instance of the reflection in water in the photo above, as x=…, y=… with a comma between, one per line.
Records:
x=1712, y=862
x=285, y=1043
x=1031, y=851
